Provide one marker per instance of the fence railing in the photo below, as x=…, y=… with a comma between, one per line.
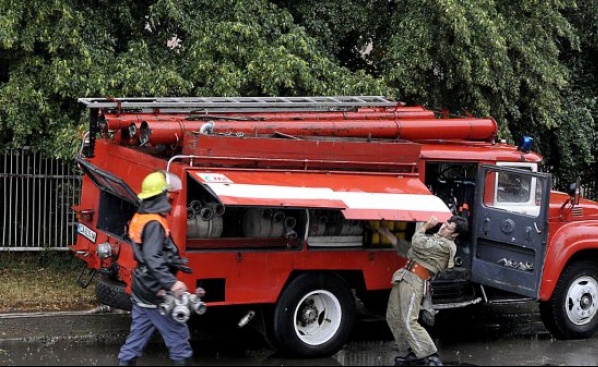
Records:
x=36, y=196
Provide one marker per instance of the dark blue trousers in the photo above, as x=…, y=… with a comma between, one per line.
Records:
x=144, y=323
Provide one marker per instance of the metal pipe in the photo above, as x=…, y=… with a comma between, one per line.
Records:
x=196, y=305
x=363, y=114
x=174, y=158
x=207, y=128
x=278, y=216
x=167, y=305
x=219, y=209
x=181, y=313
x=245, y=319
x=196, y=205
x=290, y=222
x=206, y=214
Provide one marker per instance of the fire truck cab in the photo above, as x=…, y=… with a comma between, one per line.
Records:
x=281, y=196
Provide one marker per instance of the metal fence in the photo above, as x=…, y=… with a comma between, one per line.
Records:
x=37, y=194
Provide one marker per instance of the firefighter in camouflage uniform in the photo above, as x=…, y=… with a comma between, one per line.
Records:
x=427, y=257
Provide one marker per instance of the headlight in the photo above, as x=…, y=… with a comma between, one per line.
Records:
x=104, y=250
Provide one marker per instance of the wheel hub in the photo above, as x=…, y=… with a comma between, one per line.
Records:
x=308, y=315
x=586, y=301
x=581, y=300
x=318, y=317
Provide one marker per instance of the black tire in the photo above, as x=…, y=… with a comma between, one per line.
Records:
x=314, y=316
x=572, y=312
x=113, y=294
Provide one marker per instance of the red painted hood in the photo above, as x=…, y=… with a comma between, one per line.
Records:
x=586, y=210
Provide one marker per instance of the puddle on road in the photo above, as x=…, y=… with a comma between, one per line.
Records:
x=502, y=338
x=498, y=353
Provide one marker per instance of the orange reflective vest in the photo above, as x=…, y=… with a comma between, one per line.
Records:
x=140, y=220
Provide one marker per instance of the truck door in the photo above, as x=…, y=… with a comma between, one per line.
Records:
x=117, y=203
x=510, y=229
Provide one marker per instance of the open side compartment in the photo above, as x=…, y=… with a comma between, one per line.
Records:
x=266, y=209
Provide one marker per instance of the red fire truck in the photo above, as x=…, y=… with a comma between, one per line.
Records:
x=280, y=197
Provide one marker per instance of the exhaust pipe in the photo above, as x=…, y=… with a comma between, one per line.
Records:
x=245, y=320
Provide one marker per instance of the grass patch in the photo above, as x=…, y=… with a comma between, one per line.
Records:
x=42, y=282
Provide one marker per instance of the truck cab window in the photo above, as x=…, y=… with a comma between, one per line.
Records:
x=518, y=192
x=513, y=188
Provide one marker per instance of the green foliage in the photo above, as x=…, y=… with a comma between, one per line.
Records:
x=492, y=57
x=60, y=50
x=344, y=28
x=532, y=65
x=574, y=143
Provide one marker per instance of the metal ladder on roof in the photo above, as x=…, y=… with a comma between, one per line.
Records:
x=238, y=103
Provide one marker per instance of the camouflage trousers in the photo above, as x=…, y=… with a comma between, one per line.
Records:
x=402, y=317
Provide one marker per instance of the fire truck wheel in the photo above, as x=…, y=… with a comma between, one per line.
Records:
x=113, y=294
x=572, y=312
x=314, y=316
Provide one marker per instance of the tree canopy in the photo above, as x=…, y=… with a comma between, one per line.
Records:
x=529, y=64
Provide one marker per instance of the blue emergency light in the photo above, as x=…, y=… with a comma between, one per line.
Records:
x=526, y=144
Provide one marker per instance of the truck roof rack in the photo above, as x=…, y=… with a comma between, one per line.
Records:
x=238, y=103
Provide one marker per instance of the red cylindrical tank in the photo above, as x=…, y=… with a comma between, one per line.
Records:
x=171, y=132
x=130, y=124
x=114, y=121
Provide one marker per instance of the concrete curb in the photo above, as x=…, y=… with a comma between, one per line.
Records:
x=84, y=326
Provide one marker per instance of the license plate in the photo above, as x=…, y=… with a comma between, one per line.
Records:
x=86, y=232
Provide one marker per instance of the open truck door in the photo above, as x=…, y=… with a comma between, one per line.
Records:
x=118, y=201
x=510, y=229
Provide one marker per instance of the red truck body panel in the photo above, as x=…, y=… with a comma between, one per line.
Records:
x=335, y=172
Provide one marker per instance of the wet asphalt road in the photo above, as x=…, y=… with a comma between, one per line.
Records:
x=497, y=335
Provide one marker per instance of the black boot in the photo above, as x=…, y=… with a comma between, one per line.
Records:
x=433, y=360
x=408, y=360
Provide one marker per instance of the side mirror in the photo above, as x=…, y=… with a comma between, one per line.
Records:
x=574, y=192
x=572, y=189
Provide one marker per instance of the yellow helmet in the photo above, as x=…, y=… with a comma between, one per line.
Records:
x=153, y=184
